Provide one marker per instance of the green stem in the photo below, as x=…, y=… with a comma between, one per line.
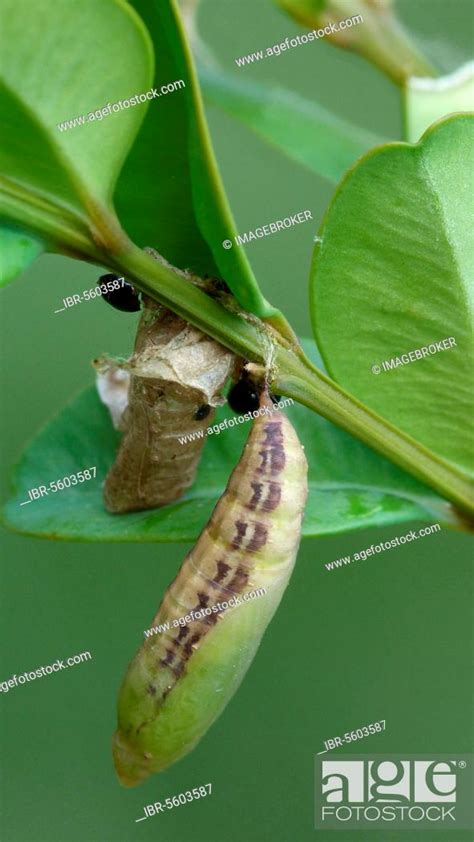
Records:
x=296, y=376
x=319, y=393
x=57, y=226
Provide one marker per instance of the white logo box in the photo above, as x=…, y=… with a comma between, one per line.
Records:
x=402, y=791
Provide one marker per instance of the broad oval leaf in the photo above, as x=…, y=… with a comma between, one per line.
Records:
x=392, y=274
x=187, y=215
x=17, y=252
x=350, y=486
x=60, y=63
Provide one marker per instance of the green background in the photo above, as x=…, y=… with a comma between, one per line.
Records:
x=388, y=638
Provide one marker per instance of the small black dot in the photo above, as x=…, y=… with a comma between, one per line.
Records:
x=202, y=412
x=123, y=297
x=244, y=396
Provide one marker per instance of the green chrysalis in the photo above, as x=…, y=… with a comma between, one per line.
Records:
x=181, y=680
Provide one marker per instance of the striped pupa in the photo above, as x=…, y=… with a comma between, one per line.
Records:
x=176, y=375
x=181, y=680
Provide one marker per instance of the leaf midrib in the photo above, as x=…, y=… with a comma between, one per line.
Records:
x=431, y=187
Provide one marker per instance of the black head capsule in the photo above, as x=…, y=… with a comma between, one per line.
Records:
x=244, y=396
x=119, y=293
x=202, y=412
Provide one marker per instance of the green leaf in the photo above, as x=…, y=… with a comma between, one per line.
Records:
x=17, y=252
x=303, y=130
x=154, y=191
x=350, y=487
x=57, y=177
x=427, y=100
x=187, y=217
x=392, y=274
x=61, y=61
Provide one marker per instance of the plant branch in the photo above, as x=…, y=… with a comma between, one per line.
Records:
x=321, y=394
x=295, y=375
x=64, y=231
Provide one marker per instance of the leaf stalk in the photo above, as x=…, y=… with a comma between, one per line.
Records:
x=295, y=376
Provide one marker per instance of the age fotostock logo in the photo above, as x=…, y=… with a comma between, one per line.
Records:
x=403, y=791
